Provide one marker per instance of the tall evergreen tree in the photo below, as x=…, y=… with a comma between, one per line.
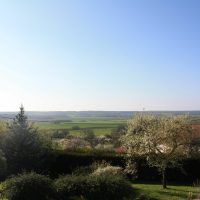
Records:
x=22, y=146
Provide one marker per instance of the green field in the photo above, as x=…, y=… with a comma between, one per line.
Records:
x=99, y=126
x=172, y=193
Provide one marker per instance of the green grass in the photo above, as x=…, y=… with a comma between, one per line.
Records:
x=69, y=125
x=173, y=192
x=99, y=126
x=97, y=131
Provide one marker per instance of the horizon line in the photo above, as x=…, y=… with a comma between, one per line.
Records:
x=106, y=111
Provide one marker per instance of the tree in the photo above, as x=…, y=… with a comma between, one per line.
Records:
x=163, y=141
x=22, y=146
x=60, y=133
x=3, y=131
x=116, y=134
x=90, y=136
x=3, y=162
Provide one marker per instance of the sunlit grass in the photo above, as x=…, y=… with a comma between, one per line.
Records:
x=173, y=192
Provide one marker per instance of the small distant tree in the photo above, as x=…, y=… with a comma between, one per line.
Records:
x=163, y=141
x=76, y=127
x=60, y=133
x=22, y=146
x=116, y=134
x=89, y=136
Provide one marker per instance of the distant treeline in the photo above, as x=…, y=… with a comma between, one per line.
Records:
x=68, y=115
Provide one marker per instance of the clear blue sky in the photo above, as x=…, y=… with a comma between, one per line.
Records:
x=100, y=55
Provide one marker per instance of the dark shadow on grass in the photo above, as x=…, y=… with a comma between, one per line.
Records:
x=139, y=195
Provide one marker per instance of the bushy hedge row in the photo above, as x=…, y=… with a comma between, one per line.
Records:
x=34, y=186
x=30, y=186
x=93, y=187
x=61, y=162
x=66, y=162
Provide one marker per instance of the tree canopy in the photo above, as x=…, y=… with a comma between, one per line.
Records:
x=22, y=146
x=163, y=141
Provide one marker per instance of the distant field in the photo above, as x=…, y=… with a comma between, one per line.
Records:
x=195, y=120
x=102, y=122
x=99, y=126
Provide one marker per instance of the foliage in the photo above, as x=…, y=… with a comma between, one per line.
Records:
x=105, y=168
x=3, y=131
x=30, y=186
x=89, y=136
x=3, y=163
x=68, y=187
x=108, y=170
x=60, y=133
x=75, y=127
x=73, y=144
x=109, y=187
x=22, y=146
x=164, y=141
x=88, y=133
x=93, y=187
x=117, y=133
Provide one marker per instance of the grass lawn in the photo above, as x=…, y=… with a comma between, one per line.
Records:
x=173, y=192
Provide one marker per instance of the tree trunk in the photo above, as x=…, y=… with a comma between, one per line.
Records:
x=164, y=181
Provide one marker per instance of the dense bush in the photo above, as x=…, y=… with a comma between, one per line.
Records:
x=66, y=162
x=60, y=133
x=30, y=186
x=108, y=170
x=109, y=187
x=3, y=164
x=93, y=187
x=68, y=187
x=75, y=127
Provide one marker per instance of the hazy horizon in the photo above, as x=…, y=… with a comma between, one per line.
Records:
x=100, y=55
x=15, y=111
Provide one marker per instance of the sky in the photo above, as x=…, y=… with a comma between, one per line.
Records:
x=120, y=55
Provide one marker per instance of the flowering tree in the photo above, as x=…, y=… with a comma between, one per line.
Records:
x=163, y=141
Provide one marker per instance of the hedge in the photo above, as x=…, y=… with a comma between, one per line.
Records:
x=66, y=162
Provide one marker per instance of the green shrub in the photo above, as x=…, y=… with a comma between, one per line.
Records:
x=91, y=187
x=30, y=186
x=3, y=164
x=108, y=187
x=75, y=127
x=108, y=170
x=68, y=187
x=105, y=168
x=60, y=133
